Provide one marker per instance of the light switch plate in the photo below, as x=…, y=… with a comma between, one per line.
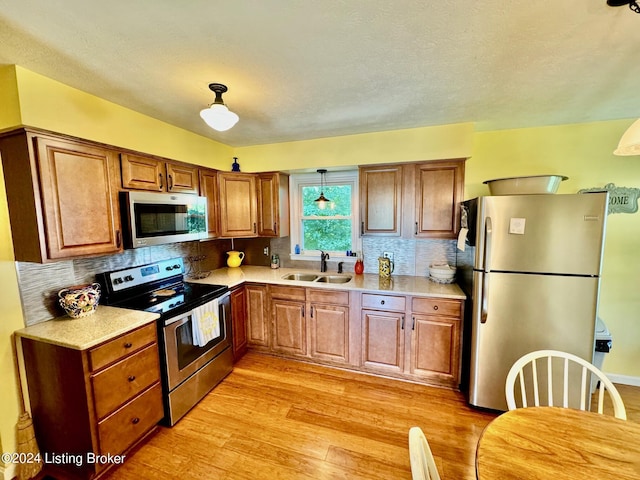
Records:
x=388, y=255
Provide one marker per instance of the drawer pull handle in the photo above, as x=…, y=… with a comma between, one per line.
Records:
x=381, y=302
x=131, y=378
x=435, y=307
x=128, y=345
x=135, y=420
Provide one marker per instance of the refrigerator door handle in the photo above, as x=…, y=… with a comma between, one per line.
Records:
x=488, y=230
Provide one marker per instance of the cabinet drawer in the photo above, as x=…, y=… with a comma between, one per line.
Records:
x=331, y=297
x=128, y=424
x=115, y=349
x=287, y=293
x=383, y=302
x=437, y=306
x=116, y=384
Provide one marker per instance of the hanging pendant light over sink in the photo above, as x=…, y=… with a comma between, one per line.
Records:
x=322, y=201
x=218, y=116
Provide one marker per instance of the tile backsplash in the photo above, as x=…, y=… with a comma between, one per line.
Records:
x=40, y=283
x=411, y=257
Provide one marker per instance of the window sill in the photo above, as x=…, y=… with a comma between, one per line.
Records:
x=316, y=258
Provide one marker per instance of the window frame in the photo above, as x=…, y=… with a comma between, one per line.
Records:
x=340, y=177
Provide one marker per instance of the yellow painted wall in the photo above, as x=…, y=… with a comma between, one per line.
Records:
x=9, y=103
x=10, y=320
x=426, y=143
x=582, y=152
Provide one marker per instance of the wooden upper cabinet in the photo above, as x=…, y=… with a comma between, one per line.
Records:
x=209, y=189
x=238, y=205
x=62, y=197
x=439, y=189
x=157, y=175
x=381, y=200
x=273, y=204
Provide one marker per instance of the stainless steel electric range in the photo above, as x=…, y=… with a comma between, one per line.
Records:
x=189, y=371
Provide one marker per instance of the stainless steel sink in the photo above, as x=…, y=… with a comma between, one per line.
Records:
x=300, y=277
x=334, y=279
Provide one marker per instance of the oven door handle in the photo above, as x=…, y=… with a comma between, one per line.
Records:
x=184, y=316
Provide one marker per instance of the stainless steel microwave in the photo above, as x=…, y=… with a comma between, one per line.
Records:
x=150, y=218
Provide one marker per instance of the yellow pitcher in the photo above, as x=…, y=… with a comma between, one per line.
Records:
x=235, y=258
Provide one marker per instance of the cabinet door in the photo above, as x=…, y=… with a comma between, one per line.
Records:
x=79, y=198
x=142, y=173
x=289, y=327
x=239, y=322
x=258, y=324
x=383, y=341
x=381, y=200
x=209, y=189
x=439, y=191
x=435, y=349
x=273, y=204
x=329, y=332
x=182, y=178
x=238, y=206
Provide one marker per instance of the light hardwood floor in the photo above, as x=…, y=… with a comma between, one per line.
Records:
x=281, y=419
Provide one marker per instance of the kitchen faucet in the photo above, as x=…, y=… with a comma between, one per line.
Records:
x=323, y=261
x=340, y=267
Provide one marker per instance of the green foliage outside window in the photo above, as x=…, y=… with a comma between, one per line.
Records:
x=327, y=229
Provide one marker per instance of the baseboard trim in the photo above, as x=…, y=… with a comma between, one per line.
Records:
x=8, y=471
x=624, y=379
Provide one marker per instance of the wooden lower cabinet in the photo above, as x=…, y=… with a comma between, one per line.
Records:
x=383, y=341
x=436, y=340
x=288, y=320
x=258, y=324
x=329, y=325
x=239, y=322
x=422, y=344
x=409, y=337
x=101, y=401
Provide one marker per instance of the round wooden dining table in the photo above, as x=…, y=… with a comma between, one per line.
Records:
x=558, y=443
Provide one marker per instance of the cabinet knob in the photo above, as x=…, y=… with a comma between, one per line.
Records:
x=435, y=307
x=131, y=378
x=381, y=302
x=135, y=420
x=128, y=345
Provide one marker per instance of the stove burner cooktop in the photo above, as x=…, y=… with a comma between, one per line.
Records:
x=157, y=288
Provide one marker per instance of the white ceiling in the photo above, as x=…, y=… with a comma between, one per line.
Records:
x=300, y=69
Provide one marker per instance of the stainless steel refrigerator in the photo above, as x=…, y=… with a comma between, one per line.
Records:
x=532, y=277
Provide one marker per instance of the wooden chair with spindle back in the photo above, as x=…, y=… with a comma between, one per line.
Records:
x=517, y=372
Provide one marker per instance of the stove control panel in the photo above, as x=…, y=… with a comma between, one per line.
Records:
x=135, y=276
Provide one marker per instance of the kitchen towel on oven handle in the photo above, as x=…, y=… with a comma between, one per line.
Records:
x=205, y=323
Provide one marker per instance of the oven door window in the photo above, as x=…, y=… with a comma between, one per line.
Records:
x=187, y=351
x=153, y=220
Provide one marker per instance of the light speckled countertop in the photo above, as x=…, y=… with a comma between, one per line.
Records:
x=400, y=284
x=86, y=332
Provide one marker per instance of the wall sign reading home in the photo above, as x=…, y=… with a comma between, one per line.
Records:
x=621, y=199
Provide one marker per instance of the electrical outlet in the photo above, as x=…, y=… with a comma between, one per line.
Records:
x=265, y=251
x=388, y=255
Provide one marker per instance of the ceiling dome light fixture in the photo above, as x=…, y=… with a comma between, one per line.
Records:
x=218, y=116
x=322, y=201
x=630, y=141
x=633, y=4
